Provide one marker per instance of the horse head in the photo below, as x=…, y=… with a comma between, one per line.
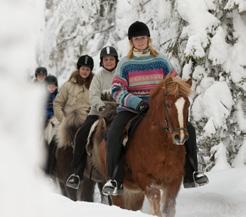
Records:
x=170, y=103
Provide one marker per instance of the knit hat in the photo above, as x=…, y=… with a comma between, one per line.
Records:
x=41, y=70
x=138, y=29
x=51, y=79
x=108, y=51
x=85, y=60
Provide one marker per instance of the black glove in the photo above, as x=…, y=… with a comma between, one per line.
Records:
x=143, y=107
x=101, y=108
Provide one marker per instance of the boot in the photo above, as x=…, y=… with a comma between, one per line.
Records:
x=51, y=159
x=199, y=179
x=192, y=177
x=73, y=181
x=112, y=188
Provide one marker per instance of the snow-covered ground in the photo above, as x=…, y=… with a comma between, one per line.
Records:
x=24, y=190
x=26, y=193
x=224, y=196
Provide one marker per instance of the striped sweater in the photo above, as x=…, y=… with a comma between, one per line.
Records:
x=136, y=77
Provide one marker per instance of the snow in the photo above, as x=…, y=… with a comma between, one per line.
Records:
x=201, y=22
x=240, y=159
x=215, y=104
x=222, y=197
x=26, y=192
x=218, y=52
x=241, y=115
x=240, y=3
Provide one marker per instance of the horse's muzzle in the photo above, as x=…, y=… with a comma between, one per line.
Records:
x=180, y=137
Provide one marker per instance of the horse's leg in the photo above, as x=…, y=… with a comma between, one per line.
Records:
x=63, y=189
x=68, y=192
x=72, y=193
x=132, y=200
x=153, y=195
x=169, y=200
x=87, y=190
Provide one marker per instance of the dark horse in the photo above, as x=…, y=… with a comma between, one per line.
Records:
x=155, y=154
x=61, y=156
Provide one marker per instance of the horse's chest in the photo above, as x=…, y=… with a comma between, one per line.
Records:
x=160, y=164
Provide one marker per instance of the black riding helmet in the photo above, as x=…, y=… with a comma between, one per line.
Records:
x=108, y=51
x=138, y=29
x=41, y=70
x=85, y=60
x=51, y=79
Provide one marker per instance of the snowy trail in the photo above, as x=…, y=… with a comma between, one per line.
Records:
x=224, y=196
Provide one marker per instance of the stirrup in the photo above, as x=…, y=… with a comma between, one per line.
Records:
x=112, y=188
x=73, y=181
x=200, y=178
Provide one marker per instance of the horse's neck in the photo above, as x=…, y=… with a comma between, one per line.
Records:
x=156, y=113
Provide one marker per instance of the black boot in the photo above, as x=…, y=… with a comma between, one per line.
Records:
x=199, y=179
x=73, y=181
x=115, y=153
x=114, y=186
x=51, y=160
x=80, y=155
x=192, y=177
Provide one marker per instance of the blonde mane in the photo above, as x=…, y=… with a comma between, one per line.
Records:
x=174, y=86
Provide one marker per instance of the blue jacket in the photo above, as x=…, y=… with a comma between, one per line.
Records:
x=49, y=105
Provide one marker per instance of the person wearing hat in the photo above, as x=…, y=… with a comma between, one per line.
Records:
x=100, y=86
x=74, y=93
x=40, y=74
x=52, y=86
x=50, y=123
x=136, y=75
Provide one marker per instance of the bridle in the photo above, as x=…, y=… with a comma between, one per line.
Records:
x=168, y=127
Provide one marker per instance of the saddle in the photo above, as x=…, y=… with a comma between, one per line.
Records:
x=131, y=127
x=103, y=123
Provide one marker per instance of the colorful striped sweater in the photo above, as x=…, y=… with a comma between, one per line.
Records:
x=136, y=77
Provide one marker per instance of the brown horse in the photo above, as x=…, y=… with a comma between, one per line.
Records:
x=154, y=159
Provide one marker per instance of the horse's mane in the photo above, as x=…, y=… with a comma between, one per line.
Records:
x=174, y=86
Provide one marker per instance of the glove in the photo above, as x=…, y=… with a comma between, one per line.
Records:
x=106, y=95
x=101, y=108
x=143, y=107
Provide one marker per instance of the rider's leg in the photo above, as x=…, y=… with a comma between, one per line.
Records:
x=114, y=151
x=51, y=160
x=192, y=177
x=79, y=154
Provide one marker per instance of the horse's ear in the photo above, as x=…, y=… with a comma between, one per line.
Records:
x=189, y=81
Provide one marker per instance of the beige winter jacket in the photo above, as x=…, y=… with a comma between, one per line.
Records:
x=100, y=90
x=71, y=97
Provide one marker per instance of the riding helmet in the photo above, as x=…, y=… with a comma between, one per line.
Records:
x=138, y=29
x=85, y=60
x=108, y=50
